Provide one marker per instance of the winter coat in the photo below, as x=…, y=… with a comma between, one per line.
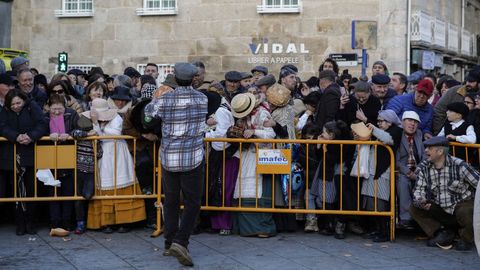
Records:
x=370, y=109
x=29, y=120
x=403, y=103
x=328, y=105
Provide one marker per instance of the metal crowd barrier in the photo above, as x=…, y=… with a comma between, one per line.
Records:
x=56, y=156
x=272, y=144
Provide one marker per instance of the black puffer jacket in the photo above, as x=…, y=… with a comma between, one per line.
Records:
x=29, y=120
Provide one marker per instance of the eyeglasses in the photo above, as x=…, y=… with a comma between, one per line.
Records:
x=379, y=121
x=58, y=91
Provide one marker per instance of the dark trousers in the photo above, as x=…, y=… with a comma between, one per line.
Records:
x=61, y=211
x=433, y=219
x=85, y=188
x=191, y=185
x=25, y=211
x=144, y=174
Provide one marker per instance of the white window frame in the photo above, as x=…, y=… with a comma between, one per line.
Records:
x=163, y=71
x=66, y=12
x=82, y=67
x=160, y=10
x=283, y=6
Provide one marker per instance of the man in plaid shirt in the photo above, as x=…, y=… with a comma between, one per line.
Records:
x=182, y=112
x=443, y=196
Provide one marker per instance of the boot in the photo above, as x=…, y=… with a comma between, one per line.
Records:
x=383, y=235
x=311, y=225
x=19, y=221
x=340, y=230
x=80, y=227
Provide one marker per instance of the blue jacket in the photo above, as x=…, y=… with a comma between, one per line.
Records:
x=400, y=104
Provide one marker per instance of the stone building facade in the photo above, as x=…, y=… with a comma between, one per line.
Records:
x=226, y=34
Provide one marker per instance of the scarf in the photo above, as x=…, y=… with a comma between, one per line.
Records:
x=57, y=124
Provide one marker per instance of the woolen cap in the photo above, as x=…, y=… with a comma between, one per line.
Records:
x=458, y=107
x=185, y=71
x=6, y=79
x=261, y=69
x=131, y=72
x=425, y=86
x=233, y=76
x=268, y=80
x=327, y=74
x=389, y=116
x=436, y=141
x=411, y=115
x=381, y=79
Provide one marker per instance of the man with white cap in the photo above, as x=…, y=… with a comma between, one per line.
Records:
x=183, y=114
x=409, y=154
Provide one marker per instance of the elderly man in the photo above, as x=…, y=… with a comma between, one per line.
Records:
x=416, y=102
x=409, y=154
x=183, y=113
x=259, y=72
x=443, y=196
x=25, y=83
x=455, y=94
x=380, y=89
x=329, y=103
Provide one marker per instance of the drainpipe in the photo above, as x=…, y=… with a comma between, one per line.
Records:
x=409, y=15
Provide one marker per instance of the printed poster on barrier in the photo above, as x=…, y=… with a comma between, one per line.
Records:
x=274, y=161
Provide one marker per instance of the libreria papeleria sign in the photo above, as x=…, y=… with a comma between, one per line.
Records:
x=266, y=52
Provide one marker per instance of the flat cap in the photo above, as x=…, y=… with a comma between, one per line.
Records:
x=185, y=71
x=246, y=75
x=436, y=141
x=131, y=72
x=17, y=61
x=233, y=76
x=268, y=80
x=261, y=69
x=327, y=74
x=380, y=79
x=459, y=107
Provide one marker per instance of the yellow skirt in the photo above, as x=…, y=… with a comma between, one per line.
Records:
x=110, y=212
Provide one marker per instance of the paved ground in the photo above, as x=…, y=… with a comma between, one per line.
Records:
x=136, y=250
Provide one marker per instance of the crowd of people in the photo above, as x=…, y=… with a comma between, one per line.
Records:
x=416, y=115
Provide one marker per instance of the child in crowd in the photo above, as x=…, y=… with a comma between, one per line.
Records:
x=456, y=129
x=310, y=102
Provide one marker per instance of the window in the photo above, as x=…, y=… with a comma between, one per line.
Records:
x=75, y=8
x=158, y=7
x=280, y=6
x=163, y=71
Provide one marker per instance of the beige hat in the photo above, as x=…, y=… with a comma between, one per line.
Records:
x=411, y=115
x=362, y=131
x=278, y=95
x=104, y=112
x=242, y=104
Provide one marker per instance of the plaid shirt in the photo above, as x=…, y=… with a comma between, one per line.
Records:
x=183, y=112
x=454, y=183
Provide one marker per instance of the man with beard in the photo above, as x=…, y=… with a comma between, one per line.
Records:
x=455, y=94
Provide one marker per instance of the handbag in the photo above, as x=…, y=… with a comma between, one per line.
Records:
x=364, y=155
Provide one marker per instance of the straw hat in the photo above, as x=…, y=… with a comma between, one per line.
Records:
x=242, y=104
x=104, y=112
x=278, y=95
x=363, y=132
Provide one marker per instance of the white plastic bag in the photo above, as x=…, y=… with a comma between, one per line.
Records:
x=46, y=177
x=364, y=155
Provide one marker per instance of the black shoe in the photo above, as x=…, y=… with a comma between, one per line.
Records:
x=442, y=238
x=123, y=229
x=30, y=229
x=107, y=230
x=371, y=235
x=380, y=238
x=463, y=245
x=340, y=230
x=20, y=230
x=181, y=253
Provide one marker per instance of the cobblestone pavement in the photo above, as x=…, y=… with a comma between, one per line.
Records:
x=136, y=250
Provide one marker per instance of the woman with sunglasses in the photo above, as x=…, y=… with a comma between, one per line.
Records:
x=61, y=88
